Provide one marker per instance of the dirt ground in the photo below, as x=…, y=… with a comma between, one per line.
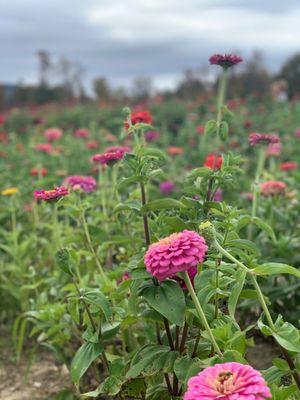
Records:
x=40, y=380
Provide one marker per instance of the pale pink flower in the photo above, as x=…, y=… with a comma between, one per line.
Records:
x=274, y=149
x=82, y=133
x=272, y=188
x=78, y=182
x=52, y=134
x=108, y=158
x=44, y=147
x=228, y=381
x=175, y=253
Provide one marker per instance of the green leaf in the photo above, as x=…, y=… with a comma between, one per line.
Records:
x=62, y=258
x=124, y=183
x=265, y=227
x=275, y=269
x=236, y=291
x=98, y=299
x=161, y=204
x=145, y=356
x=84, y=357
x=286, y=334
x=151, y=152
x=168, y=299
x=210, y=127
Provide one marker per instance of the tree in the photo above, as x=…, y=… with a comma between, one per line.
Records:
x=291, y=73
x=101, y=88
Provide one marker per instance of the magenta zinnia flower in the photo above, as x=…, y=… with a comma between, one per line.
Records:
x=77, y=182
x=228, y=381
x=175, y=253
x=225, y=60
x=109, y=157
x=258, y=138
x=166, y=187
x=51, y=195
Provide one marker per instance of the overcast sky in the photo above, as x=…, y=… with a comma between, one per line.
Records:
x=159, y=38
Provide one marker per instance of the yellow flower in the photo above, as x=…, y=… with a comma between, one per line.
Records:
x=9, y=191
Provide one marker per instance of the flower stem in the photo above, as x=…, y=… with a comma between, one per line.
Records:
x=201, y=313
x=221, y=98
x=145, y=218
x=255, y=190
x=264, y=307
x=90, y=245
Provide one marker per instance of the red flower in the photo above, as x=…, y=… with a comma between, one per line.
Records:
x=140, y=117
x=213, y=161
x=36, y=172
x=175, y=150
x=288, y=166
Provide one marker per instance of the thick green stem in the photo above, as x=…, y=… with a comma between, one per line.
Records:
x=201, y=313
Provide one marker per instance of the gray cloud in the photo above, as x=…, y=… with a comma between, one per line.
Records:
x=125, y=38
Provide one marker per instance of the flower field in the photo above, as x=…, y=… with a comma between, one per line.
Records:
x=150, y=249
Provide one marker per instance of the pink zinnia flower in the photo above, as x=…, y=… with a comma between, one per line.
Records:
x=77, y=182
x=52, y=134
x=225, y=60
x=274, y=149
x=258, y=138
x=175, y=253
x=166, y=187
x=218, y=196
x=124, y=149
x=108, y=158
x=297, y=132
x=44, y=147
x=81, y=133
x=2, y=119
x=272, y=188
x=200, y=129
x=51, y=195
x=192, y=272
x=228, y=381
x=93, y=144
x=288, y=166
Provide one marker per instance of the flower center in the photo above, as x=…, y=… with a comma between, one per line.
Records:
x=224, y=382
x=50, y=192
x=169, y=239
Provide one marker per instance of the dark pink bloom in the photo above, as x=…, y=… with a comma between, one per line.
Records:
x=225, y=60
x=272, y=188
x=77, y=182
x=258, y=138
x=124, y=149
x=166, y=187
x=81, y=133
x=218, y=196
x=108, y=158
x=51, y=195
x=2, y=119
x=44, y=147
x=192, y=273
x=228, y=381
x=200, y=129
x=52, y=134
x=175, y=253
x=151, y=136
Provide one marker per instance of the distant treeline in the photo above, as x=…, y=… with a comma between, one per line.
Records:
x=252, y=77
